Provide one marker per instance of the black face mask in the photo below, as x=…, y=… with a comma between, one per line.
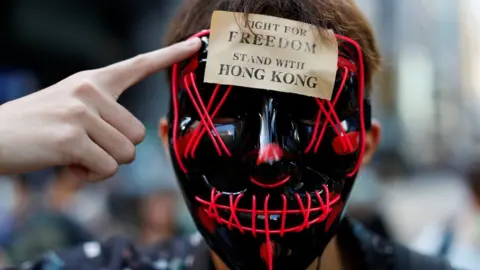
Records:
x=266, y=174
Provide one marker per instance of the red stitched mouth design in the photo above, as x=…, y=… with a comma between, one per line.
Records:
x=324, y=207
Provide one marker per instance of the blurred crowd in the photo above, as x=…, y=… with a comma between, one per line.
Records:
x=423, y=188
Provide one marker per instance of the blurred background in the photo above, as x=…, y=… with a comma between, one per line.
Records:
x=423, y=188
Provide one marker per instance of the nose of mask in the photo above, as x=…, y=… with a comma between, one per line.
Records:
x=270, y=169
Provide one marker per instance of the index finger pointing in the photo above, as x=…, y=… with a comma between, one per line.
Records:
x=114, y=79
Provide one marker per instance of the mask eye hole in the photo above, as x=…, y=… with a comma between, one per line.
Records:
x=224, y=120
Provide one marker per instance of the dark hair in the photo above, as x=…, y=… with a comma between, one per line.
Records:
x=342, y=16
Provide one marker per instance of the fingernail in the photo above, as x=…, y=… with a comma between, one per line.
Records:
x=192, y=42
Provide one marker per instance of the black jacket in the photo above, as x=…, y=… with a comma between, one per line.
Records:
x=366, y=251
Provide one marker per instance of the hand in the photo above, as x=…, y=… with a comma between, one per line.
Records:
x=78, y=122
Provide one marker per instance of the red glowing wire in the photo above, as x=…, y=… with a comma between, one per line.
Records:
x=206, y=120
x=267, y=233
x=341, y=133
x=324, y=207
x=327, y=115
x=274, y=185
x=204, y=129
x=361, y=90
x=199, y=128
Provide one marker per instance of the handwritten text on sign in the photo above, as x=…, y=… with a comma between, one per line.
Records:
x=271, y=53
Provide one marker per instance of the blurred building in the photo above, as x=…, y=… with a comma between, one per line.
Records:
x=469, y=25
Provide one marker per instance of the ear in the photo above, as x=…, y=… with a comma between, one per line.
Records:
x=372, y=141
x=163, y=132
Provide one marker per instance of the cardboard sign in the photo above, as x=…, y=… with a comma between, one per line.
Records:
x=271, y=53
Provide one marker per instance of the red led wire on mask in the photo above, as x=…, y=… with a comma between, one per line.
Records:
x=346, y=143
